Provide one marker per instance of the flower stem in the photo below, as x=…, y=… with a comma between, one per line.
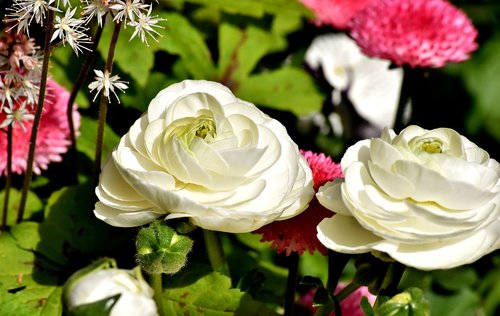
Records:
x=89, y=61
x=215, y=251
x=156, y=284
x=404, y=106
x=103, y=107
x=348, y=290
x=8, y=180
x=38, y=114
x=291, y=284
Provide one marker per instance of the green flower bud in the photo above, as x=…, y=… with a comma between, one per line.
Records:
x=410, y=302
x=161, y=250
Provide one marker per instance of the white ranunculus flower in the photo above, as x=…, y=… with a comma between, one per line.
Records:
x=136, y=295
x=372, y=87
x=428, y=198
x=202, y=153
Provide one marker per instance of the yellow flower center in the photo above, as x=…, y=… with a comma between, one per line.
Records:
x=432, y=147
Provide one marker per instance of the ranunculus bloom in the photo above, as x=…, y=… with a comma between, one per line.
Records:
x=336, y=13
x=136, y=295
x=428, y=198
x=53, y=133
x=372, y=87
x=350, y=306
x=202, y=153
x=424, y=33
x=298, y=234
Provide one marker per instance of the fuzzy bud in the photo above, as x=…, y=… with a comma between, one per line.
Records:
x=161, y=250
x=409, y=302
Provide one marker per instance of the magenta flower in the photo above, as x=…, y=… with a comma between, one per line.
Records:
x=298, y=233
x=419, y=33
x=53, y=133
x=336, y=13
x=350, y=306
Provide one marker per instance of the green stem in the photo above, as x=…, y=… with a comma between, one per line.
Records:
x=405, y=99
x=8, y=180
x=103, y=107
x=348, y=290
x=156, y=284
x=215, y=251
x=38, y=114
x=291, y=284
x=89, y=61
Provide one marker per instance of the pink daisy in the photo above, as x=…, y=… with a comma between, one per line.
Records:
x=298, y=233
x=424, y=33
x=350, y=306
x=336, y=13
x=53, y=133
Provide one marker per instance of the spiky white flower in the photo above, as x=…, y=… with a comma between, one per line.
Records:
x=71, y=30
x=144, y=25
x=24, y=11
x=95, y=8
x=17, y=116
x=105, y=82
x=129, y=9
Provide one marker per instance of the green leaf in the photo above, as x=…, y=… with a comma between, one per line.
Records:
x=64, y=68
x=256, y=8
x=456, y=279
x=88, y=135
x=184, y=40
x=28, y=285
x=286, y=23
x=240, y=50
x=133, y=59
x=481, y=77
x=210, y=294
x=98, y=308
x=33, y=205
x=288, y=89
x=462, y=303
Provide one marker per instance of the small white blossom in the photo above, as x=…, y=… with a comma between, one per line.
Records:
x=128, y=9
x=7, y=94
x=24, y=11
x=71, y=30
x=95, y=8
x=106, y=83
x=18, y=116
x=144, y=25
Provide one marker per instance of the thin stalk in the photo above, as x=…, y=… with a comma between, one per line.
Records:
x=89, y=61
x=215, y=251
x=103, y=106
x=291, y=284
x=348, y=290
x=156, y=284
x=8, y=180
x=404, y=100
x=38, y=114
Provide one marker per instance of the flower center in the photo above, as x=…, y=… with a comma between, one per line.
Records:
x=204, y=128
x=432, y=147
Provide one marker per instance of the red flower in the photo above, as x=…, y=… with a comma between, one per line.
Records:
x=424, y=33
x=336, y=13
x=53, y=133
x=298, y=233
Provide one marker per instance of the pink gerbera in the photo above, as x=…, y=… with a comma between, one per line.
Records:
x=298, y=233
x=424, y=33
x=336, y=13
x=53, y=133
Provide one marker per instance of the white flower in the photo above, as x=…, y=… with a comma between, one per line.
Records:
x=95, y=8
x=371, y=86
x=428, y=198
x=129, y=9
x=17, y=116
x=200, y=152
x=136, y=295
x=106, y=83
x=24, y=11
x=72, y=31
x=144, y=25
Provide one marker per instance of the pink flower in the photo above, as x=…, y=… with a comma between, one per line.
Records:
x=298, y=233
x=424, y=33
x=336, y=13
x=350, y=306
x=53, y=133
